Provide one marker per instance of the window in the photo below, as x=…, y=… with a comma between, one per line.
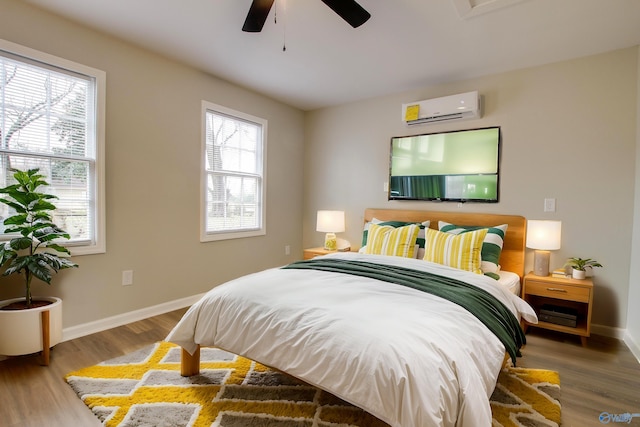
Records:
x=52, y=118
x=232, y=204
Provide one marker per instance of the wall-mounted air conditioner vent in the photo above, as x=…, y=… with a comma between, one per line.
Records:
x=455, y=107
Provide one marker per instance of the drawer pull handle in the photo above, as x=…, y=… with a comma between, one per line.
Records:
x=557, y=290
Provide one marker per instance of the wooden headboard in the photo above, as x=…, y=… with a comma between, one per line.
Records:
x=512, y=257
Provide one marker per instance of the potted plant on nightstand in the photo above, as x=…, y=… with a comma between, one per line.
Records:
x=579, y=266
x=34, y=252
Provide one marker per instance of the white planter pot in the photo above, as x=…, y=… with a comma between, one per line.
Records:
x=21, y=330
x=578, y=274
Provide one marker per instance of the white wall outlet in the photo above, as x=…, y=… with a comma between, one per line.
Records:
x=385, y=187
x=549, y=205
x=287, y=250
x=127, y=277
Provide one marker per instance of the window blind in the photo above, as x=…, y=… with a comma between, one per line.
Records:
x=48, y=121
x=233, y=173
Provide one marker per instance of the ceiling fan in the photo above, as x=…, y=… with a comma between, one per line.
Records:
x=348, y=10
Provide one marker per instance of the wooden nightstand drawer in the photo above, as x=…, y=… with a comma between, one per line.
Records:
x=558, y=291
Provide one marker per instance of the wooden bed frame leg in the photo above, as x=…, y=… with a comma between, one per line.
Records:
x=190, y=363
x=46, y=336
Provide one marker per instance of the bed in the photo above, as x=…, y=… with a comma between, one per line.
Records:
x=371, y=329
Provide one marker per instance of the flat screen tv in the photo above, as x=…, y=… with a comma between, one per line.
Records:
x=456, y=166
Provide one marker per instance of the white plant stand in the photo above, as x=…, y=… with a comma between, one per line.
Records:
x=32, y=330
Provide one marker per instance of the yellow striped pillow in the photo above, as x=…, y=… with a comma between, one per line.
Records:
x=455, y=250
x=395, y=241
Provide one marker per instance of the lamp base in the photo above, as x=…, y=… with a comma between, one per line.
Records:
x=330, y=242
x=541, y=263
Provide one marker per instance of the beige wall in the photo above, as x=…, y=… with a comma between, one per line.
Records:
x=632, y=337
x=568, y=132
x=152, y=175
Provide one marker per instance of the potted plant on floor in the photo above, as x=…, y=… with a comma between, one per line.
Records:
x=579, y=266
x=34, y=252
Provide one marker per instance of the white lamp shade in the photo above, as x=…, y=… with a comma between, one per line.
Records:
x=544, y=235
x=330, y=221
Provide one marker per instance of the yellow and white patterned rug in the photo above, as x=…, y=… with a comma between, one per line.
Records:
x=145, y=388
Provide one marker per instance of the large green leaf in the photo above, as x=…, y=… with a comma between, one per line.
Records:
x=40, y=269
x=10, y=188
x=41, y=205
x=20, y=230
x=17, y=265
x=22, y=198
x=47, y=234
x=20, y=243
x=58, y=248
x=18, y=219
x=16, y=206
x=6, y=252
x=40, y=224
x=54, y=261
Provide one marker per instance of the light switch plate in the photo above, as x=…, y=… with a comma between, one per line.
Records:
x=549, y=205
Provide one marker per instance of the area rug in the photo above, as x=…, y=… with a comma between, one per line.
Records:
x=145, y=388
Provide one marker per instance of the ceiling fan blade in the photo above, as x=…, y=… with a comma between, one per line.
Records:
x=350, y=11
x=257, y=15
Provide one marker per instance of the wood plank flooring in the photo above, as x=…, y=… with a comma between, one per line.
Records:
x=603, y=377
x=35, y=396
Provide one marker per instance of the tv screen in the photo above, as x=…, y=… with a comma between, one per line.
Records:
x=458, y=166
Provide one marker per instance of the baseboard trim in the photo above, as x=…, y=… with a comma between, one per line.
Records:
x=608, y=331
x=632, y=344
x=125, y=318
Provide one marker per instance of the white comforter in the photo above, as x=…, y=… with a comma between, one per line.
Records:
x=409, y=358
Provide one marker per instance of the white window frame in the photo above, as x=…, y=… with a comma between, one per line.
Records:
x=209, y=236
x=98, y=243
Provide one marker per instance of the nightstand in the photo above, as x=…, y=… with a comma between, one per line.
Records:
x=314, y=252
x=556, y=300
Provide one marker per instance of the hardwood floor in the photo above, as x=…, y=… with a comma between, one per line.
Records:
x=603, y=377
x=35, y=396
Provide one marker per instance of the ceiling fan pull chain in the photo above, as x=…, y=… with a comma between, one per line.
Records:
x=284, y=27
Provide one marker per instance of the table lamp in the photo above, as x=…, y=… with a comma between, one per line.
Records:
x=543, y=236
x=330, y=222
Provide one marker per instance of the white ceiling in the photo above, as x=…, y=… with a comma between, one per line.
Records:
x=407, y=44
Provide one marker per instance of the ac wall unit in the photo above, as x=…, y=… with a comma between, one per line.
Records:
x=454, y=107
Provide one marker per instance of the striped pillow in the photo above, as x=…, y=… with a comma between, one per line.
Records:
x=491, y=247
x=419, y=240
x=455, y=250
x=389, y=240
